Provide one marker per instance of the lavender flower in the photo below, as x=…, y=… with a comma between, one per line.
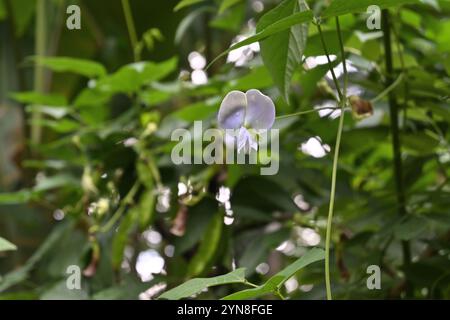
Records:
x=247, y=114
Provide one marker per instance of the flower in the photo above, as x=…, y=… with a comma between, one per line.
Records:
x=247, y=113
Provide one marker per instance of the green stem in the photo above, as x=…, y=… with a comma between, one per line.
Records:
x=387, y=90
x=325, y=50
x=331, y=205
x=404, y=71
x=250, y=284
x=126, y=201
x=131, y=29
x=278, y=293
x=342, y=104
x=396, y=146
x=305, y=112
x=344, y=63
x=40, y=44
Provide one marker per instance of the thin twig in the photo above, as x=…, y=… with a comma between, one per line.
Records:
x=322, y=40
x=305, y=112
x=131, y=29
x=386, y=91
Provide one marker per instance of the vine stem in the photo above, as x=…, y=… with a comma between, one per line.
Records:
x=387, y=90
x=331, y=205
x=333, y=75
x=342, y=105
x=344, y=62
x=305, y=112
x=131, y=29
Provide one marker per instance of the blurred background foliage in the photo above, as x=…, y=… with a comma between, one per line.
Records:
x=86, y=177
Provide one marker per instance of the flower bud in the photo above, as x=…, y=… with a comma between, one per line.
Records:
x=361, y=108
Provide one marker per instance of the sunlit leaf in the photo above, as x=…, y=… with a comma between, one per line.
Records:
x=186, y=3
x=5, y=245
x=275, y=282
x=341, y=7
x=278, y=26
x=31, y=97
x=83, y=67
x=227, y=4
x=194, y=286
x=15, y=197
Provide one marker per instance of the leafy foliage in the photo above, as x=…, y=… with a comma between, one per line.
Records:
x=196, y=285
x=282, y=53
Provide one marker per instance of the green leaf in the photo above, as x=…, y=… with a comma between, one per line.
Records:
x=22, y=196
x=83, y=67
x=230, y=20
x=196, y=111
x=277, y=26
x=125, y=80
x=60, y=125
x=145, y=175
x=410, y=228
x=5, y=245
x=186, y=3
x=121, y=237
x=36, y=98
x=282, y=52
x=60, y=291
x=257, y=78
x=128, y=289
x=419, y=143
x=56, y=181
x=341, y=7
x=187, y=21
x=155, y=71
x=199, y=219
x=14, y=277
x=154, y=97
x=259, y=246
x=227, y=4
x=207, y=247
x=54, y=112
x=91, y=97
x=276, y=281
x=194, y=286
x=130, y=78
x=146, y=209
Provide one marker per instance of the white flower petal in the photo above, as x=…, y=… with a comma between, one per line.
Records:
x=246, y=141
x=260, y=110
x=232, y=110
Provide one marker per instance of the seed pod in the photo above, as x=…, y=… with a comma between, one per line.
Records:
x=361, y=108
